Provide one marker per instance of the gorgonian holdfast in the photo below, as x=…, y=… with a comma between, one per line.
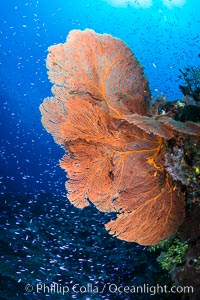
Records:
x=100, y=115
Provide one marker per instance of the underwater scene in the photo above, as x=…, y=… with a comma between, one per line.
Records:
x=100, y=149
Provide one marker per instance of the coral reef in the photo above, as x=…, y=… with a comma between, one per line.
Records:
x=188, y=273
x=173, y=164
x=100, y=115
x=191, y=79
x=180, y=254
x=173, y=254
x=188, y=113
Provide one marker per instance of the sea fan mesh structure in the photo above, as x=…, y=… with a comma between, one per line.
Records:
x=99, y=114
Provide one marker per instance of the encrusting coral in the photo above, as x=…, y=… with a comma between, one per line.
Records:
x=115, y=149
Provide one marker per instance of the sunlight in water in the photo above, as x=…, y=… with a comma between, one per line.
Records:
x=133, y=3
x=146, y=3
x=174, y=3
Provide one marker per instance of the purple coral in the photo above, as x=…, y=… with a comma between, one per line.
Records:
x=173, y=165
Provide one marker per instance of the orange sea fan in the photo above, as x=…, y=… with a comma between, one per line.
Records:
x=99, y=114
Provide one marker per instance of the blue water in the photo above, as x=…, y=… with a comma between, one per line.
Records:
x=163, y=38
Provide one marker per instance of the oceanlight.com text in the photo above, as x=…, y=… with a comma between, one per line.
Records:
x=112, y=288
